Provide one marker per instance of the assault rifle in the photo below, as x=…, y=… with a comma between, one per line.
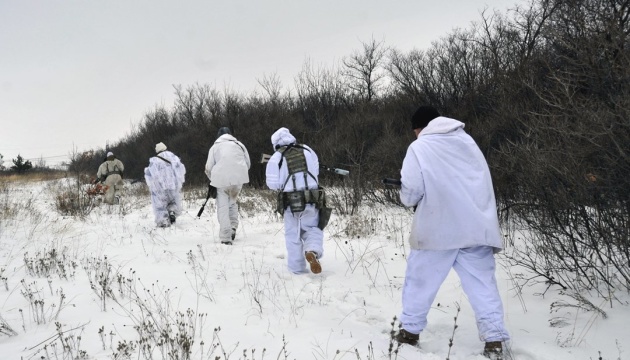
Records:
x=393, y=182
x=212, y=193
x=265, y=158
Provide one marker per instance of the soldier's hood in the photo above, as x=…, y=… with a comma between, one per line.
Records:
x=282, y=137
x=442, y=125
x=225, y=137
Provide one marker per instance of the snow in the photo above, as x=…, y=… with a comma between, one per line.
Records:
x=240, y=300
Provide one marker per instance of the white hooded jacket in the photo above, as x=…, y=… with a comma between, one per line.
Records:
x=228, y=162
x=163, y=175
x=276, y=176
x=445, y=174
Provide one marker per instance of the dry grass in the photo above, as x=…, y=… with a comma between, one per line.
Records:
x=32, y=176
x=253, y=201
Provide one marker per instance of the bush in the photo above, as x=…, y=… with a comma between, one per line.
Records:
x=20, y=165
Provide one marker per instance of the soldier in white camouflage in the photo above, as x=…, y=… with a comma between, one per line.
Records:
x=293, y=170
x=110, y=174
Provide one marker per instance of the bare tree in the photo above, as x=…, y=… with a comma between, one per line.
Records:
x=364, y=69
x=320, y=95
x=570, y=164
x=272, y=86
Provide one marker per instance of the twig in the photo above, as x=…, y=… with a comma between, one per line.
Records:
x=59, y=334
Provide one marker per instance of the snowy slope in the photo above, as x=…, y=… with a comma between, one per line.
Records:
x=240, y=300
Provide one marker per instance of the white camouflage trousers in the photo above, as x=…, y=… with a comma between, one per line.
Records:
x=163, y=202
x=227, y=211
x=115, y=186
x=427, y=269
x=301, y=234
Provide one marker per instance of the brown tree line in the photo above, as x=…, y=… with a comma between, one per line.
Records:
x=544, y=89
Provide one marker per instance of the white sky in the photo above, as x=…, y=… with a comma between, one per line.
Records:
x=80, y=73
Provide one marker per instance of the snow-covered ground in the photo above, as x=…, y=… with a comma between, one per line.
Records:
x=113, y=286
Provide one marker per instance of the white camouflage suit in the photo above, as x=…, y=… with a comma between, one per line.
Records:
x=301, y=233
x=165, y=178
x=454, y=226
x=111, y=169
x=228, y=169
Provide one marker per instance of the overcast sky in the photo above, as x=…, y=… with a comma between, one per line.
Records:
x=78, y=74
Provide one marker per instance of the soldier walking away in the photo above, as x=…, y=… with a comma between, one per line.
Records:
x=455, y=225
x=293, y=170
x=110, y=173
x=228, y=169
x=165, y=177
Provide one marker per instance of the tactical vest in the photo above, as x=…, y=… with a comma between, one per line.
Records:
x=111, y=172
x=296, y=200
x=296, y=163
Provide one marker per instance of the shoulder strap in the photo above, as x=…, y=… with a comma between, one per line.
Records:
x=163, y=158
x=291, y=165
x=111, y=172
x=239, y=145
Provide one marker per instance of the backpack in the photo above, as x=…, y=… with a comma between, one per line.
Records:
x=297, y=200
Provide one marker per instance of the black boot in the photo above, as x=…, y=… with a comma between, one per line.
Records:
x=171, y=217
x=405, y=337
x=493, y=350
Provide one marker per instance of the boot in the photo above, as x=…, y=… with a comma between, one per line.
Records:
x=233, y=233
x=493, y=350
x=311, y=257
x=405, y=337
x=171, y=217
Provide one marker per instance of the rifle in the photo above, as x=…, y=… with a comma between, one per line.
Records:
x=212, y=193
x=394, y=182
x=337, y=171
x=265, y=158
x=390, y=181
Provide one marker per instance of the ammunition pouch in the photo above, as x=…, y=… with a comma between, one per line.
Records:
x=296, y=201
x=212, y=192
x=280, y=203
x=324, y=210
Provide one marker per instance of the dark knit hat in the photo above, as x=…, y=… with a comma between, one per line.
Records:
x=423, y=116
x=224, y=130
